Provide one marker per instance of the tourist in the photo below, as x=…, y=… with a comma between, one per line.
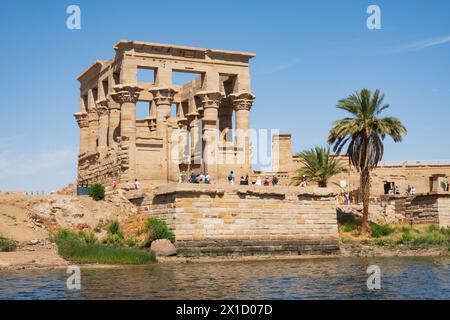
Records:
x=182, y=177
x=258, y=181
x=413, y=190
x=231, y=178
x=246, y=180
x=137, y=185
x=114, y=187
x=207, y=178
x=242, y=181
x=193, y=177
x=266, y=181
x=408, y=190
x=397, y=190
x=127, y=186
x=201, y=178
x=304, y=181
x=274, y=180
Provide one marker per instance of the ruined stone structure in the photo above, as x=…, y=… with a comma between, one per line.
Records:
x=114, y=145
x=425, y=177
x=247, y=220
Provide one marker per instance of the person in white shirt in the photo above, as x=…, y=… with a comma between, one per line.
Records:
x=137, y=185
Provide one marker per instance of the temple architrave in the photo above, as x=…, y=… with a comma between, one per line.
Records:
x=201, y=125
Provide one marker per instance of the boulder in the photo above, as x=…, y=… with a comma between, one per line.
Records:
x=163, y=248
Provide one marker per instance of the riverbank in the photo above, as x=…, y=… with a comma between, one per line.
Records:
x=37, y=257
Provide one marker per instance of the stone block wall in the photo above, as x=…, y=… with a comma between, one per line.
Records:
x=423, y=209
x=247, y=220
x=444, y=211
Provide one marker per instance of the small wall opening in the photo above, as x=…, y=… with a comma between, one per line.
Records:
x=142, y=110
x=146, y=75
x=180, y=77
x=116, y=78
x=105, y=87
x=228, y=83
x=173, y=110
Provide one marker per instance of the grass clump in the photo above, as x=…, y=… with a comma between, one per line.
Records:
x=115, y=235
x=377, y=230
x=97, y=192
x=158, y=229
x=7, y=245
x=75, y=248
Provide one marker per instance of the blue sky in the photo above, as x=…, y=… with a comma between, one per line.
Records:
x=309, y=55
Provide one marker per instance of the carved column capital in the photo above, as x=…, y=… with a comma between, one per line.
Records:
x=163, y=96
x=242, y=101
x=126, y=93
x=82, y=119
x=102, y=107
x=209, y=99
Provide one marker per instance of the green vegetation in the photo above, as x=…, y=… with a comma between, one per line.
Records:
x=364, y=132
x=97, y=192
x=115, y=235
x=416, y=237
x=317, y=165
x=79, y=248
x=378, y=230
x=158, y=229
x=7, y=245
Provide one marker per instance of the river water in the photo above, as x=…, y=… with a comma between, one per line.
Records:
x=333, y=278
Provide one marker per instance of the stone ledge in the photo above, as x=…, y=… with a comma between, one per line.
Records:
x=278, y=191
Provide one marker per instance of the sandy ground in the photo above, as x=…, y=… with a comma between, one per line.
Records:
x=39, y=256
x=15, y=223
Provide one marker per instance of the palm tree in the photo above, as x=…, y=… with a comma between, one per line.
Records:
x=364, y=132
x=317, y=165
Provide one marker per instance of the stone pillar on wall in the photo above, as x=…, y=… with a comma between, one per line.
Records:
x=242, y=103
x=114, y=123
x=226, y=121
x=83, y=124
x=282, y=153
x=103, y=122
x=162, y=101
x=210, y=104
x=127, y=95
x=193, y=121
x=93, y=130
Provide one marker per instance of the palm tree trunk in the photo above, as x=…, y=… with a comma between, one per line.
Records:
x=365, y=187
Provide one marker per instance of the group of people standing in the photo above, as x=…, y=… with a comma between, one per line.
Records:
x=127, y=186
x=202, y=177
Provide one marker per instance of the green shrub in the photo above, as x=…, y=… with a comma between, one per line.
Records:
x=350, y=226
x=7, y=245
x=380, y=230
x=158, y=229
x=97, y=192
x=72, y=247
x=88, y=237
x=114, y=240
x=432, y=228
x=114, y=228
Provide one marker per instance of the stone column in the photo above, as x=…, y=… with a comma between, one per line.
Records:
x=210, y=104
x=193, y=138
x=226, y=120
x=103, y=122
x=162, y=100
x=127, y=95
x=242, y=103
x=114, y=122
x=82, y=120
x=93, y=129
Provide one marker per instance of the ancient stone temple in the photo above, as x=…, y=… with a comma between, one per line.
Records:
x=201, y=125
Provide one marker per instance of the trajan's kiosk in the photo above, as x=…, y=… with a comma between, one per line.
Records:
x=114, y=145
x=203, y=125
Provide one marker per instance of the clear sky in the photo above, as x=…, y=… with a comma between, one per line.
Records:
x=310, y=54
